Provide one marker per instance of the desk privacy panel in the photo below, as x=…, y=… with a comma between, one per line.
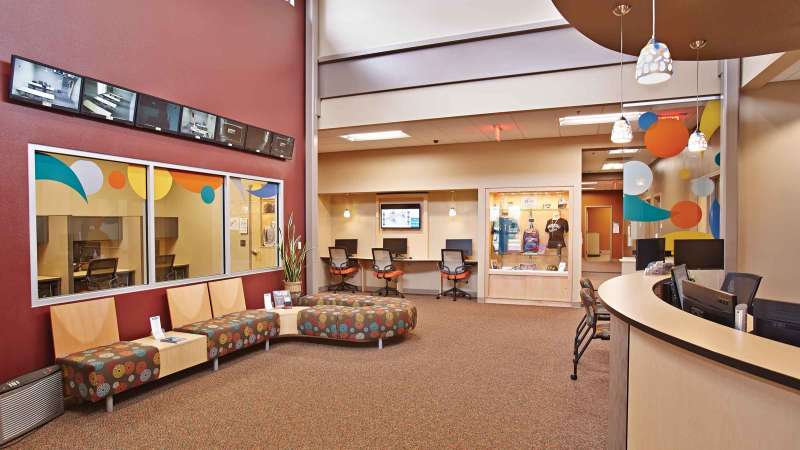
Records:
x=677, y=193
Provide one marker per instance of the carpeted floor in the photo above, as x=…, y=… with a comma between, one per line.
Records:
x=471, y=376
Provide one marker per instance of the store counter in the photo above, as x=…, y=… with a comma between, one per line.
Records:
x=680, y=381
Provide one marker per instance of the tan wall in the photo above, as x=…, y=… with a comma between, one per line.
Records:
x=769, y=120
x=599, y=221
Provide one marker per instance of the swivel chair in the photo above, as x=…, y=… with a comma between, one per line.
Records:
x=744, y=286
x=384, y=269
x=341, y=265
x=452, y=268
x=593, y=330
x=101, y=274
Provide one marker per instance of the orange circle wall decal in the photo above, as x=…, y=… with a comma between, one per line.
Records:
x=116, y=179
x=686, y=214
x=666, y=138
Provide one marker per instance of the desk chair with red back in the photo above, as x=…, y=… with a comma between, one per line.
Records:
x=384, y=269
x=453, y=268
x=341, y=265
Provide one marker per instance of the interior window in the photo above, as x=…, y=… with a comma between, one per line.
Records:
x=253, y=227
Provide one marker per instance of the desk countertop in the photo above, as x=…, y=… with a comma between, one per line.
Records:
x=82, y=273
x=631, y=299
x=403, y=260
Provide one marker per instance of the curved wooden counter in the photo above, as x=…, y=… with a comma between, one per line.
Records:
x=680, y=381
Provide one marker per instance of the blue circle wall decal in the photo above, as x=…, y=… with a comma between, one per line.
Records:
x=647, y=119
x=207, y=194
x=717, y=158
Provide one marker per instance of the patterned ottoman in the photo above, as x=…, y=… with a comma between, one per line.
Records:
x=95, y=373
x=235, y=331
x=355, y=317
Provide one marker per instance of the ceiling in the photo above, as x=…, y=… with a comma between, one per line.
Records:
x=732, y=28
x=594, y=158
x=468, y=129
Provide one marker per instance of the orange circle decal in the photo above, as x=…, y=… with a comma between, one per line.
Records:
x=686, y=214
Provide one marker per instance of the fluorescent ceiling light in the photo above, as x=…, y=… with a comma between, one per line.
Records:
x=375, y=136
x=589, y=189
x=671, y=101
x=593, y=119
x=588, y=183
x=612, y=165
x=623, y=151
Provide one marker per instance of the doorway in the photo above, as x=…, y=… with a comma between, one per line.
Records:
x=597, y=234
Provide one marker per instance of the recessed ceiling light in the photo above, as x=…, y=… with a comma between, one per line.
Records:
x=593, y=119
x=623, y=151
x=375, y=136
x=613, y=164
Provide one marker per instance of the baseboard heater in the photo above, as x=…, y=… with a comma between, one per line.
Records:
x=30, y=401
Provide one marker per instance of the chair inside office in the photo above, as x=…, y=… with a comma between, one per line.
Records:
x=341, y=266
x=101, y=274
x=384, y=269
x=453, y=268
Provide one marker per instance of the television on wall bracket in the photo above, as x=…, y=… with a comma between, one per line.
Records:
x=42, y=85
x=282, y=146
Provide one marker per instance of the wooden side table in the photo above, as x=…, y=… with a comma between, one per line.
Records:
x=288, y=319
x=182, y=355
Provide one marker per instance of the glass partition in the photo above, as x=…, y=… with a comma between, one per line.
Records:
x=253, y=228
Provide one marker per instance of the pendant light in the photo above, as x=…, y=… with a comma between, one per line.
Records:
x=347, y=213
x=452, y=211
x=621, y=133
x=697, y=141
x=655, y=62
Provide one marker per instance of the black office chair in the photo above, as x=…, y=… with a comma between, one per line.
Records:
x=384, y=269
x=744, y=286
x=602, y=312
x=593, y=330
x=102, y=274
x=453, y=268
x=342, y=266
x=165, y=268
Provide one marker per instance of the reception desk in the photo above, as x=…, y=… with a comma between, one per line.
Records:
x=679, y=381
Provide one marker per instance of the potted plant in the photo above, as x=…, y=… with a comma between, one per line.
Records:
x=293, y=255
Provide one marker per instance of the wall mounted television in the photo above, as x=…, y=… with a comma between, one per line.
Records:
x=231, y=133
x=44, y=85
x=153, y=113
x=107, y=101
x=198, y=124
x=396, y=216
x=257, y=140
x=282, y=146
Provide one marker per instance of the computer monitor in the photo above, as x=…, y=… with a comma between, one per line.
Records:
x=779, y=321
x=351, y=245
x=464, y=245
x=398, y=246
x=649, y=250
x=711, y=304
x=700, y=254
x=679, y=275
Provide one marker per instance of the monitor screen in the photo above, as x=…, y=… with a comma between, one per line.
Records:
x=400, y=216
x=44, y=85
x=649, y=250
x=700, y=254
x=231, y=133
x=350, y=244
x=156, y=114
x=198, y=124
x=464, y=245
x=282, y=146
x=108, y=101
x=398, y=246
x=776, y=320
x=257, y=140
x=711, y=304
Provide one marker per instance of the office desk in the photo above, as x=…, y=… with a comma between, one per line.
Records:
x=49, y=286
x=680, y=381
x=421, y=275
x=125, y=277
x=35, y=93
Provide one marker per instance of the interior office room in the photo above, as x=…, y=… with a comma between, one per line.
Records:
x=516, y=223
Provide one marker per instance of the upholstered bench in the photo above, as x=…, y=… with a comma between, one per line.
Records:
x=355, y=317
x=231, y=327
x=96, y=365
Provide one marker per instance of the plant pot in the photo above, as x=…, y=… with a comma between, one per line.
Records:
x=295, y=288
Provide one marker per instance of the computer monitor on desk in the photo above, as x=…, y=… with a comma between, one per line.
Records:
x=711, y=304
x=779, y=321
x=464, y=245
x=649, y=250
x=351, y=245
x=700, y=254
x=398, y=246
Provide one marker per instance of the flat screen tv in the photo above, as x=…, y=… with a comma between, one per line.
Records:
x=401, y=216
x=281, y=146
x=155, y=114
x=198, y=124
x=257, y=140
x=108, y=101
x=231, y=133
x=43, y=85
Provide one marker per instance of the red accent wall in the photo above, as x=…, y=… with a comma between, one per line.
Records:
x=239, y=58
x=614, y=200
